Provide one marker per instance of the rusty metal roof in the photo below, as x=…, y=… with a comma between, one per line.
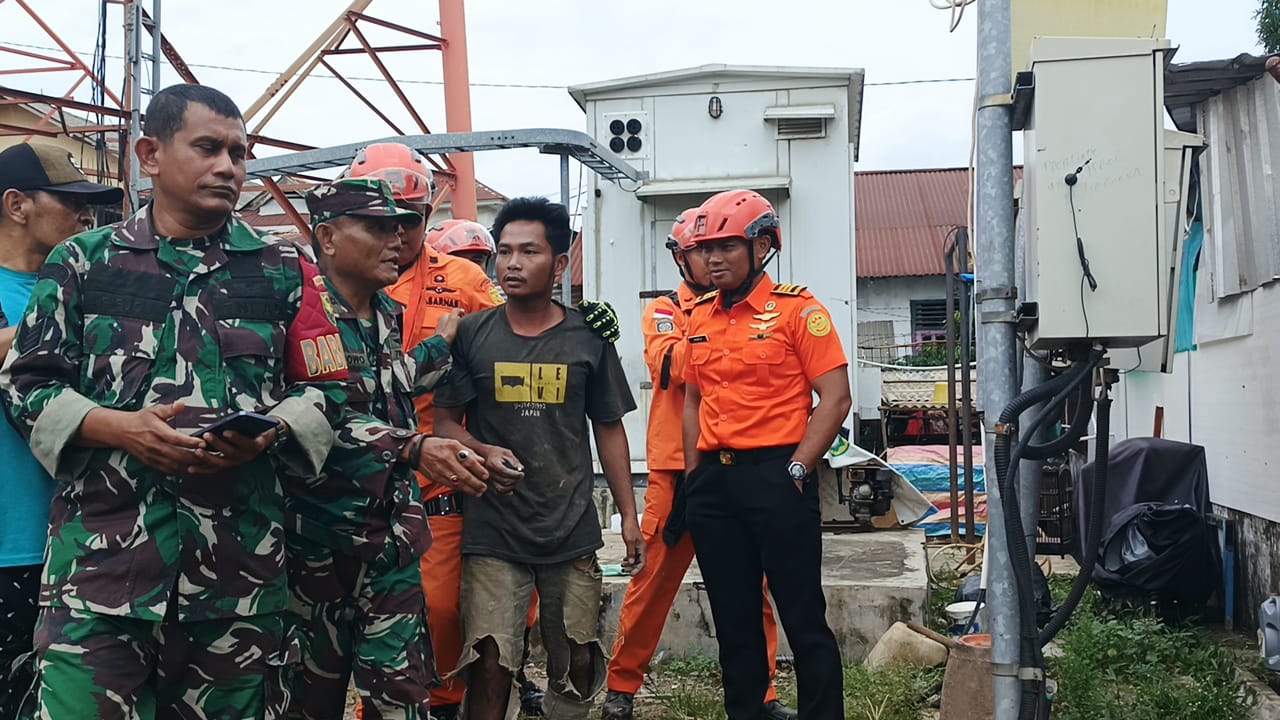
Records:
x=903, y=216
x=575, y=259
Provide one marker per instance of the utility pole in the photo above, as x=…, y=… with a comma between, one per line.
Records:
x=996, y=295
x=137, y=84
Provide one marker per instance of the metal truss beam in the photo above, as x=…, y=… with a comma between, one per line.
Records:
x=556, y=141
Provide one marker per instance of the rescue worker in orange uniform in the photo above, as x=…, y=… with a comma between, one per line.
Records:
x=651, y=593
x=466, y=239
x=757, y=352
x=432, y=285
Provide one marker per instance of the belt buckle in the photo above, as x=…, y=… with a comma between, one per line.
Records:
x=726, y=457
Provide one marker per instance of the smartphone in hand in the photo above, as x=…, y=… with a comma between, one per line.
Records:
x=248, y=424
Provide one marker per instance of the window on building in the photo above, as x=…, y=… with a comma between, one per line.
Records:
x=928, y=322
x=928, y=316
x=876, y=341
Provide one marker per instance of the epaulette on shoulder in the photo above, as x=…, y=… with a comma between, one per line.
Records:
x=709, y=296
x=781, y=289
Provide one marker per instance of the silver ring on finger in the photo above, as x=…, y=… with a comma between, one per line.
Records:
x=463, y=455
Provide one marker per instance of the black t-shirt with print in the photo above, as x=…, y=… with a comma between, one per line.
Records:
x=534, y=396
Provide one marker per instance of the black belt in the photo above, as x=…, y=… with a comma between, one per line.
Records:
x=726, y=456
x=443, y=505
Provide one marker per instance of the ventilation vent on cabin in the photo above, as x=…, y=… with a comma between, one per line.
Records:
x=796, y=122
x=792, y=128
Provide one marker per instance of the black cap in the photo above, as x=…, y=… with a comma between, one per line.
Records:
x=37, y=166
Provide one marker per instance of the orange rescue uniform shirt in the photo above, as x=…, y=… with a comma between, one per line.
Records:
x=755, y=364
x=430, y=289
x=665, y=352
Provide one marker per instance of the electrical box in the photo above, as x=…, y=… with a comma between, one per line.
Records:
x=1094, y=193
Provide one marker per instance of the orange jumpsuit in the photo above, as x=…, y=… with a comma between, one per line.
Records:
x=430, y=289
x=651, y=593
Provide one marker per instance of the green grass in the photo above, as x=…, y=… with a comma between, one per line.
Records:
x=1134, y=667
x=1115, y=666
x=691, y=690
x=1130, y=666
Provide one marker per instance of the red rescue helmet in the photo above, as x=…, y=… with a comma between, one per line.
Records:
x=680, y=237
x=457, y=236
x=402, y=167
x=736, y=214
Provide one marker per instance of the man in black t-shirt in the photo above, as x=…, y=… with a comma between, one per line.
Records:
x=527, y=376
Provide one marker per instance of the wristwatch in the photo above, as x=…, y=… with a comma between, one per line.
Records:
x=797, y=470
x=282, y=437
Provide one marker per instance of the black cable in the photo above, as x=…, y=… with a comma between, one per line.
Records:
x=1093, y=533
x=1079, y=421
x=1084, y=311
x=1022, y=340
x=1084, y=260
x=1032, y=693
x=1006, y=475
x=530, y=86
x=1086, y=273
x=1027, y=631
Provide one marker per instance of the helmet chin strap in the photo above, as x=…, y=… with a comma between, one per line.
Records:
x=686, y=273
x=736, y=295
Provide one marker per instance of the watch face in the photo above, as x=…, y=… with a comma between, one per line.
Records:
x=797, y=471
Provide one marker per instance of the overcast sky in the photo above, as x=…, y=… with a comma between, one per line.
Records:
x=552, y=44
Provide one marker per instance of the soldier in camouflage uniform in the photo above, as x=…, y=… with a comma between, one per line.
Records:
x=357, y=530
x=164, y=588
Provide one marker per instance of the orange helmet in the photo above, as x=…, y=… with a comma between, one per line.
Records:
x=455, y=236
x=680, y=238
x=404, y=169
x=736, y=214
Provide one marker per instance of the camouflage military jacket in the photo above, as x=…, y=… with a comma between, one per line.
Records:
x=125, y=319
x=365, y=502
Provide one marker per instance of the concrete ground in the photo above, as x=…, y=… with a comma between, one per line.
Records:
x=872, y=580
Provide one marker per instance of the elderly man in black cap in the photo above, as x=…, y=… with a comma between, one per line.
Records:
x=44, y=199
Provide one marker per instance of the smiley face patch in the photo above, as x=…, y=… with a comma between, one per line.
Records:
x=818, y=324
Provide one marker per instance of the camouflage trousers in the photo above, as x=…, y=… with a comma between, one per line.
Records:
x=119, y=668
x=361, y=620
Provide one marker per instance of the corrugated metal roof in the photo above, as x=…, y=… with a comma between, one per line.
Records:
x=1189, y=84
x=575, y=260
x=484, y=193
x=903, y=216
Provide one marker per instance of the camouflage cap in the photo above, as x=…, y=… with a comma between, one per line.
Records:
x=359, y=197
